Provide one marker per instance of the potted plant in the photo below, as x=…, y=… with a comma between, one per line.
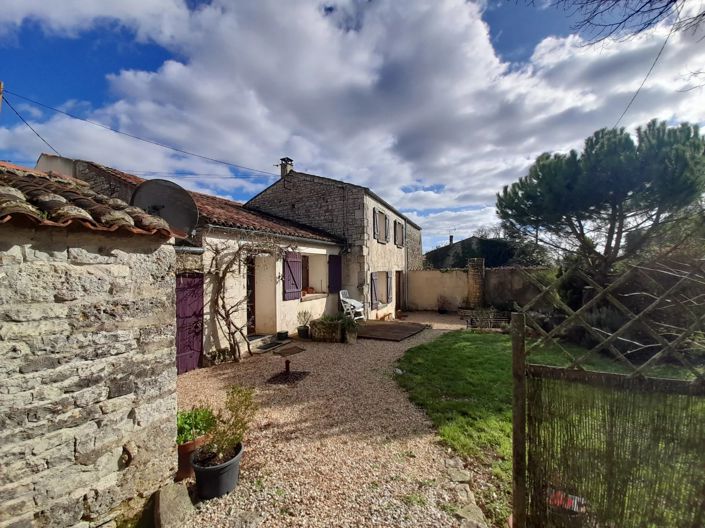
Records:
x=217, y=462
x=303, y=318
x=350, y=326
x=191, y=428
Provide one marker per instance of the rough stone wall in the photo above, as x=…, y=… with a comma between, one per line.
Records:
x=414, y=249
x=102, y=182
x=324, y=204
x=504, y=286
x=476, y=283
x=87, y=376
x=189, y=262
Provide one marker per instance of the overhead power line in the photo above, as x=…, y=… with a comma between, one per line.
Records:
x=648, y=73
x=133, y=136
x=28, y=125
x=184, y=173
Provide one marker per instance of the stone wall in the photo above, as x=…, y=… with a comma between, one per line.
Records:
x=473, y=286
x=87, y=376
x=414, y=248
x=103, y=182
x=505, y=286
x=322, y=203
x=426, y=286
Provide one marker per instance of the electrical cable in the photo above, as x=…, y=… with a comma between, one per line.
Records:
x=28, y=125
x=133, y=136
x=648, y=73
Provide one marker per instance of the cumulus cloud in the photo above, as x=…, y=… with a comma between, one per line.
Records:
x=410, y=99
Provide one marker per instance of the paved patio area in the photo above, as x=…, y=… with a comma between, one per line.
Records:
x=343, y=447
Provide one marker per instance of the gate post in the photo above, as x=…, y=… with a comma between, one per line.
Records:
x=519, y=495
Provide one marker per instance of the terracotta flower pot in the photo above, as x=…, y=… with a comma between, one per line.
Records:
x=185, y=451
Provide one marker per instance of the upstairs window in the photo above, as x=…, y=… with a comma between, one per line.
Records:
x=380, y=226
x=398, y=233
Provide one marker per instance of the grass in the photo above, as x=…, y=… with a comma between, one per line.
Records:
x=463, y=380
x=414, y=499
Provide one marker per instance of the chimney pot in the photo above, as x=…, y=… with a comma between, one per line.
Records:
x=450, y=238
x=286, y=165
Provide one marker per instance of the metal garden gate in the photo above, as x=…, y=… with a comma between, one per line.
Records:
x=611, y=433
x=189, y=321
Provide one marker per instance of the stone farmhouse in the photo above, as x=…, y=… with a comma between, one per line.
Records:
x=337, y=236
x=381, y=244
x=88, y=380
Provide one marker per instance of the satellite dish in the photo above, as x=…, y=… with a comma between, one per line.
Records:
x=169, y=201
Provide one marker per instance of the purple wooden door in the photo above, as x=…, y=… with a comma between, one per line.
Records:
x=189, y=321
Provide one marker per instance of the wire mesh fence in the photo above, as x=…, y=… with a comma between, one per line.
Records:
x=609, y=421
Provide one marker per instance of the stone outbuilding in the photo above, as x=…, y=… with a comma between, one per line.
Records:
x=87, y=370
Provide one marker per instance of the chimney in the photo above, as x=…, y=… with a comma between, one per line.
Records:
x=450, y=240
x=286, y=165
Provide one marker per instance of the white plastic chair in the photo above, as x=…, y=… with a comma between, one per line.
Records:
x=351, y=307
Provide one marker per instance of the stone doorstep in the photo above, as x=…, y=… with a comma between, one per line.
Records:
x=267, y=344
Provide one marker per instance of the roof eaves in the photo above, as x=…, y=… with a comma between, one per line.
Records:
x=42, y=199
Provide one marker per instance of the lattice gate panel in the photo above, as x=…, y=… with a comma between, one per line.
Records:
x=623, y=448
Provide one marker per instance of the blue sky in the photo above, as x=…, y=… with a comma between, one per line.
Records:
x=435, y=105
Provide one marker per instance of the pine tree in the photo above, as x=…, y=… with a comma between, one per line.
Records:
x=589, y=203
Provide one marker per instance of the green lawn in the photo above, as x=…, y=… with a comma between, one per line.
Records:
x=463, y=381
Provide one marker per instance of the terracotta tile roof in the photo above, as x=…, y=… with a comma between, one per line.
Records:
x=52, y=200
x=228, y=213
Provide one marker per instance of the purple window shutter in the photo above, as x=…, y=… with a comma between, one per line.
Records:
x=292, y=275
x=335, y=273
x=375, y=224
x=374, y=301
x=389, y=286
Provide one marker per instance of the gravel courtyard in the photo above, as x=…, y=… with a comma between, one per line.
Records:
x=343, y=447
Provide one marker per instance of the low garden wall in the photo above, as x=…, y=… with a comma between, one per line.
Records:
x=87, y=376
x=474, y=286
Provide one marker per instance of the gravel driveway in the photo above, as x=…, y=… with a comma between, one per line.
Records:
x=343, y=447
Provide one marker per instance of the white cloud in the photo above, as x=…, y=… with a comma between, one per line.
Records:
x=389, y=95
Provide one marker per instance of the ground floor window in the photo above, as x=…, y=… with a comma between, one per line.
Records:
x=314, y=274
x=381, y=288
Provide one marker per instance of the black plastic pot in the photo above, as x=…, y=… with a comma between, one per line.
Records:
x=302, y=331
x=216, y=481
x=282, y=335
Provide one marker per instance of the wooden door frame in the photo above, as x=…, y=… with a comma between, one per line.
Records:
x=399, y=293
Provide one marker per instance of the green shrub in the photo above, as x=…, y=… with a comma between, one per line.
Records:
x=230, y=425
x=193, y=423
